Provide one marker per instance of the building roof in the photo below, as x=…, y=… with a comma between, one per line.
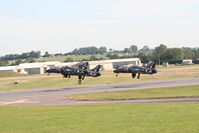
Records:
x=33, y=65
x=113, y=60
x=122, y=60
x=187, y=60
x=69, y=63
x=51, y=63
x=4, y=68
x=45, y=64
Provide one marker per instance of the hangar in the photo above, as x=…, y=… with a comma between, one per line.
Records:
x=114, y=63
x=31, y=68
x=187, y=62
x=39, y=68
x=108, y=65
x=34, y=68
x=52, y=64
x=71, y=64
x=11, y=69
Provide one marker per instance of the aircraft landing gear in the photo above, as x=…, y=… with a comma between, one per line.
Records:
x=65, y=76
x=133, y=75
x=79, y=81
x=83, y=77
x=138, y=76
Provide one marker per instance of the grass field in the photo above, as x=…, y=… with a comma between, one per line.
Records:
x=180, y=91
x=106, y=78
x=127, y=118
x=4, y=75
x=134, y=118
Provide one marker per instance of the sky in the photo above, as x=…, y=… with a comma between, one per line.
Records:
x=59, y=26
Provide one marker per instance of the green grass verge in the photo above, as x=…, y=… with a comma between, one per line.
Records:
x=180, y=91
x=106, y=78
x=134, y=118
x=5, y=75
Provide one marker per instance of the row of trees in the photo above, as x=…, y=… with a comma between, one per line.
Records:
x=159, y=54
x=133, y=50
x=172, y=55
x=88, y=51
x=91, y=58
x=32, y=54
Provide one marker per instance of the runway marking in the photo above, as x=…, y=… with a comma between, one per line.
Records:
x=16, y=102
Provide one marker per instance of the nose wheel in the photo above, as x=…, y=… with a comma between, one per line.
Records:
x=133, y=75
x=79, y=81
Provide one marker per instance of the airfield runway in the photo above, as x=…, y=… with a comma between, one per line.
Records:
x=58, y=96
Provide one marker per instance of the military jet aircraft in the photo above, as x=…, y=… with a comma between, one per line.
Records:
x=149, y=69
x=81, y=72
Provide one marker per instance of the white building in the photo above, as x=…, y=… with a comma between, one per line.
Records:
x=70, y=64
x=187, y=62
x=105, y=63
x=34, y=68
x=114, y=63
x=11, y=69
x=52, y=64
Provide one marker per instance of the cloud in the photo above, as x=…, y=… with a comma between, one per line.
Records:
x=145, y=7
x=48, y=28
x=107, y=22
x=29, y=27
x=180, y=2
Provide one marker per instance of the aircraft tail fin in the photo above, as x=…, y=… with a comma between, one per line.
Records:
x=84, y=66
x=151, y=65
x=97, y=68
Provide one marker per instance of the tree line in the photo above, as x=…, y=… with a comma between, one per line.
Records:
x=32, y=54
x=162, y=54
x=159, y=54
x=16, y=59
x=88, y=51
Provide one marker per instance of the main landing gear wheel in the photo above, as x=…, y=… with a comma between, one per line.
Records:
x=79, y=81
x=138, y=76
x=133, y=75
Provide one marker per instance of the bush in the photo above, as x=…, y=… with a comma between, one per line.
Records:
x=69, y=59
x=93, y=57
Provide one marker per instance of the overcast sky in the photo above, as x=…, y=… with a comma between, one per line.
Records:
x=62, y=25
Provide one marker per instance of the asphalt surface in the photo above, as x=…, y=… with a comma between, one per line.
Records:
x=58, y=96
